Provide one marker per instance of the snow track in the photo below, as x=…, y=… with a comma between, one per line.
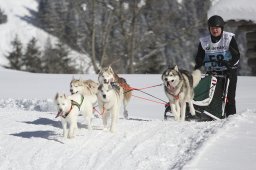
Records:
x=32, y=140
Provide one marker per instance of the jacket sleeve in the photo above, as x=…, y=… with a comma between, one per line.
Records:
x=233, y=48
x=199, y=57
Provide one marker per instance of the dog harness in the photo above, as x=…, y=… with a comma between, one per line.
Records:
x=73, y=103
x=190, y=79
x=176, y=97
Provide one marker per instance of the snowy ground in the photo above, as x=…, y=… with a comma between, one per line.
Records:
x=31, y=136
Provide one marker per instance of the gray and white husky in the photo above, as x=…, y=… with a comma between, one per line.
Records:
x=68, y=109
x=108, y=76
x=179, y=88
x=110, y=97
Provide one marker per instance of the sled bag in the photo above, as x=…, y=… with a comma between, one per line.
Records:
x=204, y=91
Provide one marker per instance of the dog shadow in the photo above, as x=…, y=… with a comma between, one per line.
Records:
x=45, y=121
x=48, y=135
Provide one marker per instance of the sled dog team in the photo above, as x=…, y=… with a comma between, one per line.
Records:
x=112, y=91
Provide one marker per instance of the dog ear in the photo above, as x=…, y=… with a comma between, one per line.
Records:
x=97, y=71
x=110, y=69
x=56, y=96
x=176, y=68
x=109, y=86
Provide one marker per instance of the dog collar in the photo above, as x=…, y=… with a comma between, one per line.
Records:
x=176, y=97
x=66, y=114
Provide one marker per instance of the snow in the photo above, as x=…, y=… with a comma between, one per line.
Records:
x=31, y=136
x=234, y=9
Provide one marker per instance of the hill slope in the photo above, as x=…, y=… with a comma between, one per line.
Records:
x=20, y=18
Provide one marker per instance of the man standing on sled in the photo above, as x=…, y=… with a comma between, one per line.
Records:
x=219, y=53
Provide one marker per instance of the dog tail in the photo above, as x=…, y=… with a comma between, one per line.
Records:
x=196, y=77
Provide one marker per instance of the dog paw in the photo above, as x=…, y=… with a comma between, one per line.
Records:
x=125, y=114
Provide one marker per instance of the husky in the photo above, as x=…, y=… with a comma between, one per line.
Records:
x=110, y=97
x=179, y=88
x=108, y=76
x=69, y=108
x=85, y=87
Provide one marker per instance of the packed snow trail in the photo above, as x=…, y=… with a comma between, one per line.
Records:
x=32, y=140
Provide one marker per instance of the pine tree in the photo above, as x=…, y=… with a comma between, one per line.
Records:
x=32, y=57
x=15, y=57
x=48, y=58
x=3, y=17
x=56, y=60
x=64, y=64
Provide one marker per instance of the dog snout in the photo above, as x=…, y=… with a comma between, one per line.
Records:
x=71, y=91
x=104, y=96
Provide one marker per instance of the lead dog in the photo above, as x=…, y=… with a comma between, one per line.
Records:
x=68, y=109
x=179, y=88
x=109, y=99
x=108, y=76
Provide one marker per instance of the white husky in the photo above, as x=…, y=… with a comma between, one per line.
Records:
x=84, y=87
x=109, y=99
x=179, y=88
x=68, y=109
x=108, y=76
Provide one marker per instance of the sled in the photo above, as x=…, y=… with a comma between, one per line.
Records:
x=211, y=97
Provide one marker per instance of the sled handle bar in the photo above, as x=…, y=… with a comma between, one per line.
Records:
x=215, y=75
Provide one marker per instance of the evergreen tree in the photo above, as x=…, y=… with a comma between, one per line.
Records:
x=3, y=17
x=56, y=60
x=48, y=58
x=32, y=57
x=64, y=63
x=15, y=57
